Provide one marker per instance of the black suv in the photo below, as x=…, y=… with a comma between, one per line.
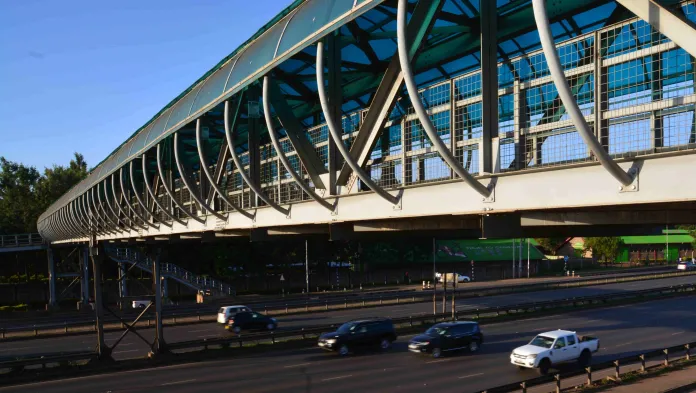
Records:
x=250, y=321
x=361, y=334
x=446, y=337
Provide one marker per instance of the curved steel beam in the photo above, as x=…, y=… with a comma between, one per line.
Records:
x=127, y=226
x=152, y=192
x=281, y=154
x=108, y=224
x=125, y=198
x=336, y=136
x=71, y=216
x=211, y=179
x=94, y=225
x=420, y=110
x=57, y=220
x=98, y=222
x=83, y=214
x=238, y=162
x=169, y=190
x=79, y=219
x=121, y=210
x=114, y=224
x=139, y=198
x=185, y=179
x=571, y=105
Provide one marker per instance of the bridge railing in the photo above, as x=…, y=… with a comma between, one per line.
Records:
x=21, y=240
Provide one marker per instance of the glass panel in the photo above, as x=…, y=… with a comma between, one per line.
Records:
x=158, y=126
x=257, y=55
x=140, y=140
x=181, y=110
x=213, y=87
x=310, y=17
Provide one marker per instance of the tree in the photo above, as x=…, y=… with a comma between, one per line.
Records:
x=691, y=229
x=25, y=193
x=550, y=244
x=605, y=249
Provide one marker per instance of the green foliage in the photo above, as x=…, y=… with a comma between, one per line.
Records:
x=692, y=232
x=549, y=244
x=605, y=249
x=25, y=193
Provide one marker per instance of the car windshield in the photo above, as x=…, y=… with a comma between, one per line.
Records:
x=542, y=341
x=347, y=327
x=436, y=331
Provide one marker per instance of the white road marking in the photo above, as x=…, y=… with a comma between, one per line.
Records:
x=209, y=335
x=334, y=378
x=674, y=334
x=623, y=345
x=198, y=331
x=177, y=382
x=437, y=361
x=297, y=365
x=130, y=350
x=470, y=376
x=16, y=349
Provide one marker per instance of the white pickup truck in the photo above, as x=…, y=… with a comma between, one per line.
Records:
x=550, y=348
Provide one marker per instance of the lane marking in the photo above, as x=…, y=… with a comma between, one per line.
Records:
x=198, y=331
x=130, y=350
x=16, y=349
x=334, y=378
x=623, y=345
x=437, y=361
x=674, y=334
x=470, y=376
x=177, y=382
x=209, y=335
x=298, y=365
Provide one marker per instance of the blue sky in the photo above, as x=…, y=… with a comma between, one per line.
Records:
x=82, y=76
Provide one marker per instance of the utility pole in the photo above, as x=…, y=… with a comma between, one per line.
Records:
x=513, y=258
x=306, y=249
x=527, y=257
x=444, y=292
x=520, y=260
x=434, y=282
x=454, y=294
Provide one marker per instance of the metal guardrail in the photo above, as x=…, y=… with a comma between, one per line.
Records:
x=557, y=379
x=411, y=321
x=171, y=270
x=300, y=306
x=22, y=362
x=21, y=240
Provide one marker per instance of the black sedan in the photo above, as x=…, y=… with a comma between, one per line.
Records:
x=250, y=321
x=448, y=337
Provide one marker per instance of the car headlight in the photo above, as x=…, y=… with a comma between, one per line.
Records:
x=331, y=341
x=531, y=356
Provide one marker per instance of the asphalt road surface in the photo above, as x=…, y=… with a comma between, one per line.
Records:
x=623, y=330
x=132, y=346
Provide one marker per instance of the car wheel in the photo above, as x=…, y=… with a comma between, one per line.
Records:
x=270, y=326
x=237, y=329
x=385, y=343
x=436, y=353
x=343, y=350
x=544, y=366
x=474, y=346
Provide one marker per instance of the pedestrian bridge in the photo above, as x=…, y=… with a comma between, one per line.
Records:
x=533, y=114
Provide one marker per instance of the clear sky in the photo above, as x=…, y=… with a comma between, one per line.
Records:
x=83, y=75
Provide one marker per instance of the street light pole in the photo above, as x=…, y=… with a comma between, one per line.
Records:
x=434, y=282
x=306, y=248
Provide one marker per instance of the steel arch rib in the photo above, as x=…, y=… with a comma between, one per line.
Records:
x=238, y=162
x=94, y=225
x=57, y=220
x=185, y=180
x=152, y=192
x=571, y=105
x=127, y=225
x=336, y=136
x=83, y=213
x=74, y=218
x=169, y=190
x=93, y=212
x=211, y=179
x=420, y=110
x=121, y=210
x=127, y=200
x=99, y=205
x=106, y=214
x=138, y=197
x=281, y=154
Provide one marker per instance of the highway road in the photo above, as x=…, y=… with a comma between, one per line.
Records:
x=623, y=330
x=132, y=346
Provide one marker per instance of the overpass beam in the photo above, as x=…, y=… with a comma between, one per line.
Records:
x=52, y=300
x=571, y=105
x=279, y=149
x=445, y=152
x=229, y=133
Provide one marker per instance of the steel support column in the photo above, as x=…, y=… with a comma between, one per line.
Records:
x=159, y=345
x=279, y=150
x=420, y=110
x=229, y=129
x=567, y=98
x=489, y=84
x=52, y=300
x=122, y=282
x=103, y=351
x=187, y=183
x=337, y=135
x=84, y=281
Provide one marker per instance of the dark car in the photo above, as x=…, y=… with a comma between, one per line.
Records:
x=359, y=335
x=250, y=321
x=448, y=337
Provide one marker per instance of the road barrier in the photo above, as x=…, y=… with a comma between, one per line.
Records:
x=632, y=363
x=308, y=306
